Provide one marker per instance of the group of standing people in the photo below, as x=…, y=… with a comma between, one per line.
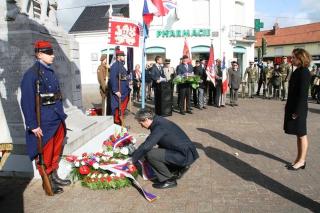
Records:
x=272, y=78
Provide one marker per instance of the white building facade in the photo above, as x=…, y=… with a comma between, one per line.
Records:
x=227, y=24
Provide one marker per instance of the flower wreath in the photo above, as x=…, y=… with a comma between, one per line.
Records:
x=104, y=170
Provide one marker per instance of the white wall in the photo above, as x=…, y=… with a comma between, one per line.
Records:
x=223, y=10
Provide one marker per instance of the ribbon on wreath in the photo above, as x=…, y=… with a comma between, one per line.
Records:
x=119, y=169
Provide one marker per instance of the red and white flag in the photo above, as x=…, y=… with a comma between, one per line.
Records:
x=210, y=67
x=224, y=75
x=124, y=32
x=186, y=51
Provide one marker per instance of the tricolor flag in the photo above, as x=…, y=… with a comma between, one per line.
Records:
x=186, y=51
x=210, y=67
x=169, y=5
x=224, y=75
x=151, y=8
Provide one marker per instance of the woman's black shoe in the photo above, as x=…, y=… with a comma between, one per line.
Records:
x=295, y=169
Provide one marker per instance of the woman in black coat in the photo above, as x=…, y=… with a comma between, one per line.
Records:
x=296, y=109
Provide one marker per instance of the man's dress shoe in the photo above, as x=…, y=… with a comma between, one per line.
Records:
x=166, y=184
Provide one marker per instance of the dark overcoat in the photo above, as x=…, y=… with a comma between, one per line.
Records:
x=234, y=79
x=297, y=102
x=51, y=115
x=180, y=150
x=116, y=69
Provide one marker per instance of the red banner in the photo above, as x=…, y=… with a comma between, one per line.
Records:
x=124, y=32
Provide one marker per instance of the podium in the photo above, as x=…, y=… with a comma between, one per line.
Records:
x=163, y=99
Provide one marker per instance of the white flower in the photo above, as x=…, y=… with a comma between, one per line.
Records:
x=77, y=164
x=83, y=163
x=104, y=158
x=95, y=165
x=97, y=159
x=93, y=175
x=105, y=175
x=100, y=175
x=110, y=153
x=124, y=151
x=112, y=175
x=116, y=150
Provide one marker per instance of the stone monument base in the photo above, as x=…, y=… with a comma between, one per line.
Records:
x=17, y=39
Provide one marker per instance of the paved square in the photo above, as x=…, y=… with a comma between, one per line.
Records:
x=242, y=150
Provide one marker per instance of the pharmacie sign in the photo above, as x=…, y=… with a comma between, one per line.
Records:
x=183, y=33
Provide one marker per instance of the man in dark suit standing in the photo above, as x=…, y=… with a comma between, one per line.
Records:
x=174, y=154
x=185, y=69
x=157, y=75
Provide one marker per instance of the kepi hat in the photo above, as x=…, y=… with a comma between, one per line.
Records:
x=119, y=53
x=42, y=46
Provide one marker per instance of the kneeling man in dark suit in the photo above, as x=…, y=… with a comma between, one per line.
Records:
x=174, y=154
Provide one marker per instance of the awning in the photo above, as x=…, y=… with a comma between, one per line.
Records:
x=150, y=50
x=239, y=49
x=200, y=49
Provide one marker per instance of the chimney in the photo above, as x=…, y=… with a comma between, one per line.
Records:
x=275, y=28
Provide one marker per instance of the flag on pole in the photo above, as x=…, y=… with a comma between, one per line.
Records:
x=159, y=5
x=210, y=67
x=224, y=75
x=124, y=31
x=186, y=51
x=149, y=9
x=169, y=5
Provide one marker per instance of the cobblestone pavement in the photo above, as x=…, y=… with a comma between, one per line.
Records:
x=242, y=150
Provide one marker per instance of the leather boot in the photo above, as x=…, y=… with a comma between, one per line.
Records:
x=55, y=188
x=59, y=181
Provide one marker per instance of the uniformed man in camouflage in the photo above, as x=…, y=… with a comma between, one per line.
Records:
x=285, y=71
x=269, y=72
x=102, y=73
x=251, y=75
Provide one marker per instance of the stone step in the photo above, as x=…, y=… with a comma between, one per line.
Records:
x=20, y=165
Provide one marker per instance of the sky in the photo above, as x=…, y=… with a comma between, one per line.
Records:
x=284, y=12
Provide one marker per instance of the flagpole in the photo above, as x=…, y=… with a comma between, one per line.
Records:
x=143, y=65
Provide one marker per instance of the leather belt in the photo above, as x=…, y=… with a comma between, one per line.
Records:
x=50, y=98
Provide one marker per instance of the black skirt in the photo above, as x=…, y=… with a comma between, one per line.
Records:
x=296, y=126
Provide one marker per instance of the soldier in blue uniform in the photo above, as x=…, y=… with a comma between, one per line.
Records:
x=52, y=128
x=119, y=76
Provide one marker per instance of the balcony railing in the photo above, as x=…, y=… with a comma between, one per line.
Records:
x=241, y=33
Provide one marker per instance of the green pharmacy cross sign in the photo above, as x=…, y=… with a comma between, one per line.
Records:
x=183, y=33
x=258, y=25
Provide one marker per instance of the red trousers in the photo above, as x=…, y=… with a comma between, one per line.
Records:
x=116, y=117
x=52, y=151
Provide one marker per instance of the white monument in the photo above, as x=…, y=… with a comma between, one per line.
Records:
x=22, y=23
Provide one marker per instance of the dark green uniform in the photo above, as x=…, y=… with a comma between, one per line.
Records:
x=285, y=71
